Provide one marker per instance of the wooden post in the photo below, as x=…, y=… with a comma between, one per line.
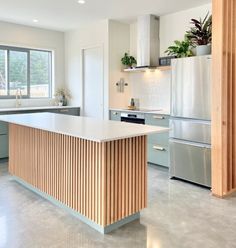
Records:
x=224, y=98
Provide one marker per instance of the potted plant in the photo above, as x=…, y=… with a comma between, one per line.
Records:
x=128, y=61
x=180, y=49
x=200, y=35
x=62, y=95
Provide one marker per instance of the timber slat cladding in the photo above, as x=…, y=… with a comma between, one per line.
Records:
x=105, y=182
x=224, y=98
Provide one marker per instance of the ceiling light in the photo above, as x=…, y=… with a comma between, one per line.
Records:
x=35, y=20
x=81, y=1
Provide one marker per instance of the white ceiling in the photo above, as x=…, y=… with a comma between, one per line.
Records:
x=68, y=14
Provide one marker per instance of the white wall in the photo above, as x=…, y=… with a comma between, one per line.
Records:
x=153, y=88
x=91, y=35
x=24, y=36
x=173, y=26
x=119, y=42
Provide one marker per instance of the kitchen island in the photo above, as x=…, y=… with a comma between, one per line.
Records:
x=95, y=169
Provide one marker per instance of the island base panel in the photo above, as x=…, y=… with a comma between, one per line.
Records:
x=105, y=183
x=101, y=229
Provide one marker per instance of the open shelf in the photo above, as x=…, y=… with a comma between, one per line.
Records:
x=159, y=68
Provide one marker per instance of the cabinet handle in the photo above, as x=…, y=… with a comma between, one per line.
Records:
x=159, y=148
x=158, y=117
x=115, y=113
x=64, y=110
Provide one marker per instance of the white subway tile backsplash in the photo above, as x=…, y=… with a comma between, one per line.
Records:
x=152, y=89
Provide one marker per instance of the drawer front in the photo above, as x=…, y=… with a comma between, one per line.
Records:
x=3, y=128
x=50, y=111
x=157, y=120
x=115, y=116
x=191, y=130
x=69, y=111
x=158, y=154
x=159, y=138
x=3, y=146
x=65, y=111
x=190, y=161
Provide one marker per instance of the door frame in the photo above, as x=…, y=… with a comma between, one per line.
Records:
x=82, y=50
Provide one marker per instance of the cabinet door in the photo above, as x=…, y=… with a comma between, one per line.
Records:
x=158, y=154
x=3, y=146
x=115, y=116
x=69, y=111
x=3, y=128
x=157, y=120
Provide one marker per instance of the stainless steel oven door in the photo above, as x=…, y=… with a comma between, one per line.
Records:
x=190, y=161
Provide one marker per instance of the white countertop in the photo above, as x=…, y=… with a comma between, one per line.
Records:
x=35, y=108
x=82, y=127
x=143, y=111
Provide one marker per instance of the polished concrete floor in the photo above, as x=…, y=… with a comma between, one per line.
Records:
x=179, y=215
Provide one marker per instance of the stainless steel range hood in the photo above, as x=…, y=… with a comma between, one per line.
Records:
x=148, y=42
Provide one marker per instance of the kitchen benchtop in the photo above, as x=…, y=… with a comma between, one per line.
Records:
x=142, y=111
x=34, y=108
x=82, y=127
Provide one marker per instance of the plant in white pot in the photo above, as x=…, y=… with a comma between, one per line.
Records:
x=200, y=35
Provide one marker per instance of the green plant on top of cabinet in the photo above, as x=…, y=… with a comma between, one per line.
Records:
x=115, y=115
x=158, y=144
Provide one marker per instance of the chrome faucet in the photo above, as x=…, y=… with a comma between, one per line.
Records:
x=18, y=97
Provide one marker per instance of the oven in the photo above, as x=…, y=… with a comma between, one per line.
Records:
x=133, y=118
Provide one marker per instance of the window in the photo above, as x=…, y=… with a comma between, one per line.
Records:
x=27, y=70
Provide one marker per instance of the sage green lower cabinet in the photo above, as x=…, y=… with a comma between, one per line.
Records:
x=3, y=146
x=3, y=140
x=158, y=144
x=115, y=115
x=158, y=154
x=3, y=128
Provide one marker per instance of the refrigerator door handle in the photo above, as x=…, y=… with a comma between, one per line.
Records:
x=184, y=142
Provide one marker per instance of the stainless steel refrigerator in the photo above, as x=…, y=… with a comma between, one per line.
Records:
x=190, y=122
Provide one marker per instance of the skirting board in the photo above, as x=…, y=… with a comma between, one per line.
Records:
x=103, y=230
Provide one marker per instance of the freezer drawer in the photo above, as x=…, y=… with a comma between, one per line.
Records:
x=191, y=130
x=191, y=87
x=191, y=162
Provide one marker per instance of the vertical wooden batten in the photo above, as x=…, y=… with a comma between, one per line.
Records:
x=224, y=98
x=105, y=182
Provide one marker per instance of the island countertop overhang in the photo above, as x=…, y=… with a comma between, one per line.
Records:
x=82, y=127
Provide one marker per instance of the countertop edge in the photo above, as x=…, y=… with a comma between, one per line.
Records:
x=99, y=140
x=2, y=110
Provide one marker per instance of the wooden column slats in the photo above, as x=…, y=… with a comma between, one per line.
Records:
x=105, y=182
x=224, y=98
